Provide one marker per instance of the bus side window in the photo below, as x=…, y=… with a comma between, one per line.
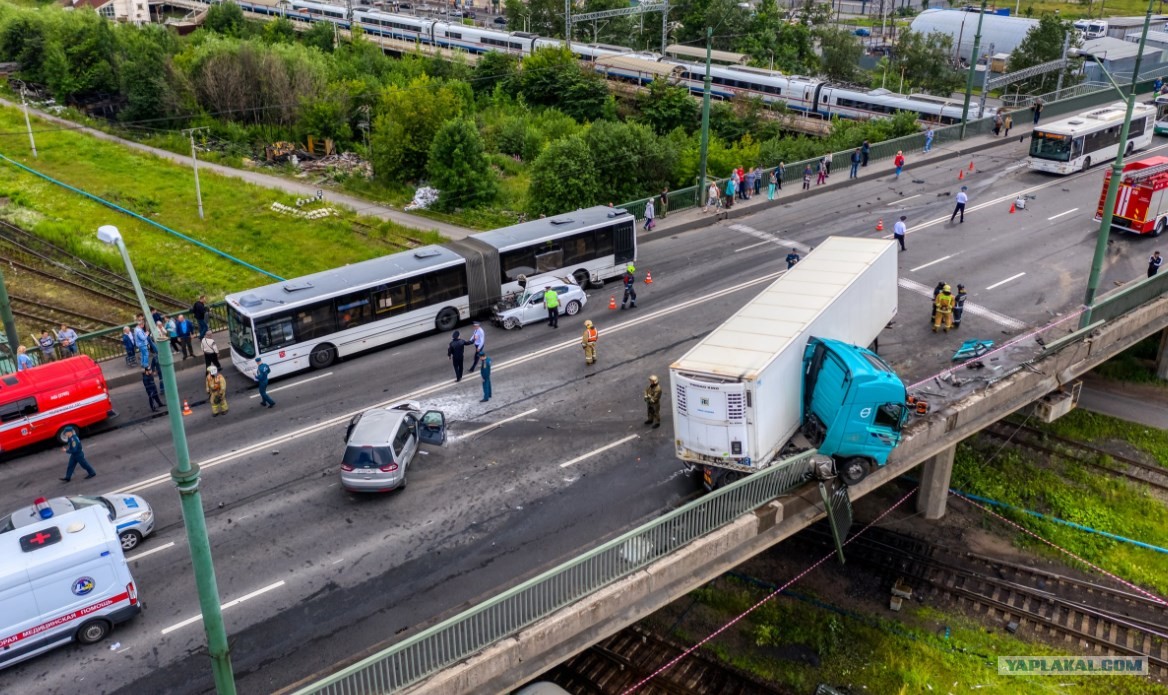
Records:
x=274, y=333
x=353, y=310
x=390, y=301
x=604, y=245
x=17, y=410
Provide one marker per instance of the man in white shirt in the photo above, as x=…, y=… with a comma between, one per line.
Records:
x=479, y=338
x=899, y=230
x=962, y=199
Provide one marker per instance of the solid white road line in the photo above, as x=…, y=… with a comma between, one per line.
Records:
x=766, y=238
x=144, y=553
x=970, y=308
x=999, y=284
x=594, y=452
x=898, y=202
x=493, y=425
x=225, y=606
x=1055, y=217
x=572, y=343
x=921, y=267
x=298, y=383
x=752, y=246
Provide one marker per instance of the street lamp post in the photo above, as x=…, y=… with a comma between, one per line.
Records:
x=1116, y=174
x=186, y=478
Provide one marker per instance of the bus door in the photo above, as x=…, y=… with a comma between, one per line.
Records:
x=1076, y=148
x=624, y=239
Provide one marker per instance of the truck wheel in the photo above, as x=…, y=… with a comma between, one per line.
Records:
x=1160, y=224
x=93, y=632
x=852, y=470
x=130, y=539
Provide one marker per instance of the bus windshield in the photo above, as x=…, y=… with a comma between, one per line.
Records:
x=239, y=332
x=1050, y=146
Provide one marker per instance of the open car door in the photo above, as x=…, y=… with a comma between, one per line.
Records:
x=432, y=429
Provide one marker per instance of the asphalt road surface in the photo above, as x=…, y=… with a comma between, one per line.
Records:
x=556, y=462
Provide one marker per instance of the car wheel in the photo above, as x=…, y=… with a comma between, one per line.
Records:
x=130, y=539
x=511, y=323
x=93, y=632
x=582, y=278
x=573, y=308
x=322, y=356
x=447, y=319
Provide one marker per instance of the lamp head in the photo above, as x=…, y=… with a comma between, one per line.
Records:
x=109, y=234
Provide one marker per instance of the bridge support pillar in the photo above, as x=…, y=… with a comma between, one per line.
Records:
x=1162, y=356
x=934, y=491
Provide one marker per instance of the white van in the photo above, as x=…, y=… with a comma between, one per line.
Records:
x=62, y=579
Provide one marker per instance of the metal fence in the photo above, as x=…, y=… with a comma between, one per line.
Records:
x=1131, y=296
x=465, y=634
x=106, y=344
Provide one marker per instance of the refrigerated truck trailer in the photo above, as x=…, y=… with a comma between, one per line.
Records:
x=738, y=394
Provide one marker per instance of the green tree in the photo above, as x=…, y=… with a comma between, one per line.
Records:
x=665, y=107
x=926, y=63
x=492, y=69
x=147, y=75
x=328, y=114
x=319, y=36
x=553, y=77
x=543, y=17
x=1044, y=43
x=279, y=30
x=459, y=169
x=840, y=54
x=563, y=178
x=24, y=40
x=404, y=129
x=226, y=18
x=731, y=21
x=630, y=161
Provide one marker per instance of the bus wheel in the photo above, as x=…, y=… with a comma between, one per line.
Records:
x=93, y=632
x=322, y=356
x=573, y=308
x=853, y=470
x=1131, y=147
x=447, y=319
x=1086, y=164
x=582, y=278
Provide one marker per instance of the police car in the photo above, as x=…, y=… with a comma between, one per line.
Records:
x=131, y=515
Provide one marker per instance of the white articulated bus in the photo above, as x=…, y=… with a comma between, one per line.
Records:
x=1075, y=143
x=310, y=321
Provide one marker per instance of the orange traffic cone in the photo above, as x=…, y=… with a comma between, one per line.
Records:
x=648, y=278
x=960, y=175
x=612, y=302
x=1012, y=209
x=880, y=225
x=186, y=408
x=971, y=165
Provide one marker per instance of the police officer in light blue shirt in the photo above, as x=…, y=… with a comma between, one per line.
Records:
x=262, y=372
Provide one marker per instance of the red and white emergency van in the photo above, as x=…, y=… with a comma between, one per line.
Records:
x=62, y=579
x=1142, y=204
x=40, y=403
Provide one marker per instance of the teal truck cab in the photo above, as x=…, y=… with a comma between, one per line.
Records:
x=854, y=406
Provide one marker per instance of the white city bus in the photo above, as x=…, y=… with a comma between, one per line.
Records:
x=1075, y=143
x=1161, y=114
x=311, y=321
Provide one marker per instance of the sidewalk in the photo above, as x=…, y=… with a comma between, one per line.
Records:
x=117, y=373
x=297, y=188
x=694, y=218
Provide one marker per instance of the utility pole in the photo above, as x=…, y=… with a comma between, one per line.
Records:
x=705, y=146
x=195, y=163
x=568, y=23
x=27, y=123
x=972, y=69
x=1113, y=184
x=664, y=27
x=1066, y=46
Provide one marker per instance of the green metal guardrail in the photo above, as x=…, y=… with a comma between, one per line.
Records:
x=454, y=639
x=106, y=344
x=1128, y=297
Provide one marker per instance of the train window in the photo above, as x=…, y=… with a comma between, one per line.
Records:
x=453, y=35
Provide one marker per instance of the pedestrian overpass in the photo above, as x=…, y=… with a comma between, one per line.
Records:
x=513, y=637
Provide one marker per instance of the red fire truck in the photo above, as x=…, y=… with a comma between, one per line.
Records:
x=1141, y=206
x=42, y=402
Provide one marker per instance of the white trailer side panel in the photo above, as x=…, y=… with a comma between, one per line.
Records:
x=737, y=393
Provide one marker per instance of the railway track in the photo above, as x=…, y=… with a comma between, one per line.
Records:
x=630, y=656
x=1080, y=452
x=1082, y=616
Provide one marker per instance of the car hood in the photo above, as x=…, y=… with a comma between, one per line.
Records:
x=127, y=505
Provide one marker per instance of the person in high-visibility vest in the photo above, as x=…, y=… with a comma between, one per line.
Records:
x=944, y=304
x=551, y=302
x=588, y=342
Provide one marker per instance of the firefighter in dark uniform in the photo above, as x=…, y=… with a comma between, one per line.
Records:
x=630, y=280
x=588, y=342
x=959, y=305
x=936, y=291
x=653, y=401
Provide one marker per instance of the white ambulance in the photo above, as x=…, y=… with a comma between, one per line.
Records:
x=62, y=579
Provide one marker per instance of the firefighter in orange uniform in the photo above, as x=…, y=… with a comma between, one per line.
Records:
x=588, y=342
x=944, y=305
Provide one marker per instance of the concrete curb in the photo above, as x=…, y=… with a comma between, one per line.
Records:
x=134, y=376
x=743, y=210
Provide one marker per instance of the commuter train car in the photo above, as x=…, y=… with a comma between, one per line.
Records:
x=463, y=37
x=395, y=26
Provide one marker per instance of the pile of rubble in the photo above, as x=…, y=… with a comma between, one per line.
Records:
x=306, y=214
x=346, y=163
x=423, y=198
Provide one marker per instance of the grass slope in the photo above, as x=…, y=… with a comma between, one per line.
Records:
x=238, y=221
